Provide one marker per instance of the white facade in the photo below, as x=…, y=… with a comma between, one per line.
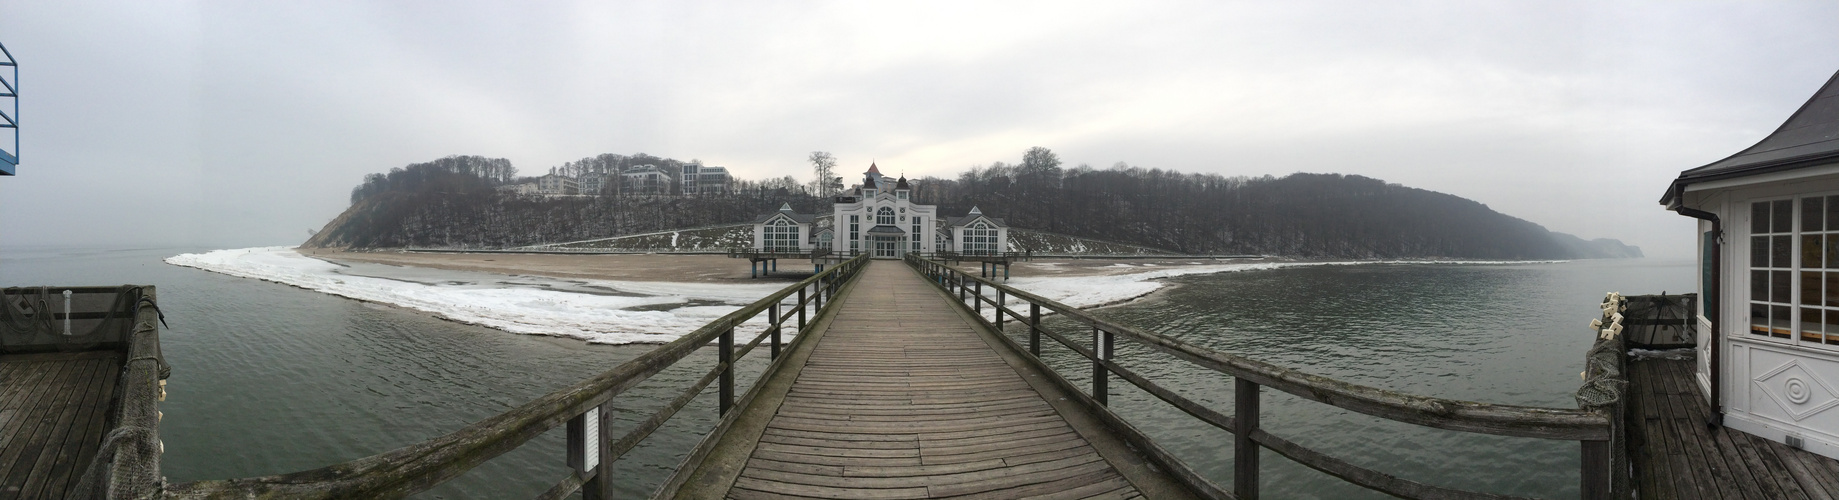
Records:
x=1779, y=338
x=783, y=231
x=556, y=184
x=881, y=219
x=976, y=234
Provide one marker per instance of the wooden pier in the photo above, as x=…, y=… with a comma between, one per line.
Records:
x=903, y=396
x=75, y=371
x=1677, y=456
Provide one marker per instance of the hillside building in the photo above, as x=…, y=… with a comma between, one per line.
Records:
x=698, y=179
x=1768, y=244
x=557, y=184
x=645, y=179
x=593, y=182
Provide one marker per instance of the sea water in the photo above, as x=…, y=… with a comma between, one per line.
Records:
x=270, y=379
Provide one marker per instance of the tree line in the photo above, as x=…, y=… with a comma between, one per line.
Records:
x=450, y=202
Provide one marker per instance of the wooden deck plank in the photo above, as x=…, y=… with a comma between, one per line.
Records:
x=26, y=431
x=61, y=400
x=916, y=404
x=1677, y=456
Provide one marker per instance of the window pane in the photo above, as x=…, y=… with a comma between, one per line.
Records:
x=1811, y=209
x=1781, y=284
x=1810, y=289
x=1779, y=321
x=1759, y=286
x=1759, y=319
x=1832, y=213
x=1810, y=325
x=1781, y=248
x=1759, y=217
x=1832, y=289
x=1832, y=251
x=1811, y=251
x=1759, y=251
x=1783, y=216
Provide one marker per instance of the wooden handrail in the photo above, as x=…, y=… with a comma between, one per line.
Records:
x=1587, y=426
x=418, y=467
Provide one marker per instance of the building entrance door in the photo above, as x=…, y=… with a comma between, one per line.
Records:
x=884, y=248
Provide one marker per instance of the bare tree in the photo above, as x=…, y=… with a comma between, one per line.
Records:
x=824, y=166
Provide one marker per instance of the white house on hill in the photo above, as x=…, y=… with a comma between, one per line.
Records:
x=1768, y=242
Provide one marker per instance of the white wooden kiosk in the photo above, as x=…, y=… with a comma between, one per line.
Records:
x=1768, y=244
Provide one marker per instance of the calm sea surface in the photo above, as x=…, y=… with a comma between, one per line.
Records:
x=269, y=379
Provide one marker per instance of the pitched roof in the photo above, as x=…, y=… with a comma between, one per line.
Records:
x=872, y=169
x=966, y=220
x=885, y=229
x=787, y=210
x=1810, y=137
x=902, y=183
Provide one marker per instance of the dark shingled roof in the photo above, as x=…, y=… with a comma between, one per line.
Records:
x=966, y=220
x=885, y=229
x=787, y=210
x=1809, y=138
x=902, y=184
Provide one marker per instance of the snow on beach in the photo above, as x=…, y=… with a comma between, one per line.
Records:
x=664, y=311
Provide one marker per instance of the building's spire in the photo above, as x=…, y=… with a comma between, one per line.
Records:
x=872, y=169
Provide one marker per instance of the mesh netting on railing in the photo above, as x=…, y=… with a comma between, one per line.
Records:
x=1605, y=383
x=64, y=319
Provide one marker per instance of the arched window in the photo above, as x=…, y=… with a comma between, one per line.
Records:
x=781, y=236
x=979, y=239
x=884, y=217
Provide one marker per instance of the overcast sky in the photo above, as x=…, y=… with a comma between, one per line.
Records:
x=246, y=123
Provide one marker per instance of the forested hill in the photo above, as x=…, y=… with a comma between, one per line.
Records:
x=453, y=203
x=1311, y=215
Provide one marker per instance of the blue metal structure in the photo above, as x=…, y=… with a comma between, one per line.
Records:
x=9, y=89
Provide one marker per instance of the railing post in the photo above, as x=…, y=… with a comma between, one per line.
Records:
x=1244, y=450
x=801, y=309
x=819, y=299
x=1001, y=300
x=1596, y=471
x=727, y=360
x=601, y=488
x=978, y=304
x=585, y=450
x=772, y=320
x=1101, y=350
x=1034, y=329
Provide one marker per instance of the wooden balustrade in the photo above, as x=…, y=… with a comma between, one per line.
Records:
x=585, y=408
x=1591, y=428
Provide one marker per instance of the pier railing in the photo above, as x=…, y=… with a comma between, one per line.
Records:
x=1591, y=428
x=585, y=408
